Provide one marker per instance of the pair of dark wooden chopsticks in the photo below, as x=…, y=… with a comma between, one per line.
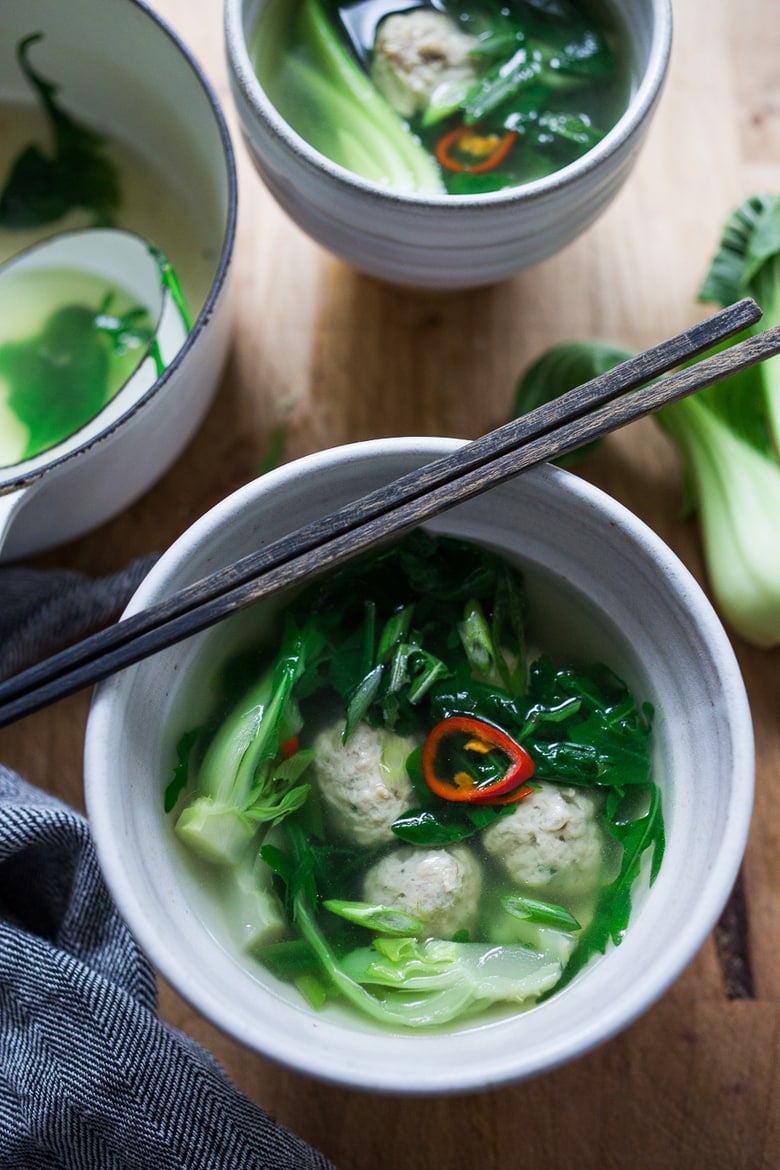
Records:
x=606, y=403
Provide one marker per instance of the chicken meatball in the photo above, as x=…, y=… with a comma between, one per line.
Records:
x=363, y=783
x=441, y=887
x=552, y=840
x=417, y=52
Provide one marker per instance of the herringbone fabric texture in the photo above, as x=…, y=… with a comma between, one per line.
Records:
x=90, y=1078
x=44, y=610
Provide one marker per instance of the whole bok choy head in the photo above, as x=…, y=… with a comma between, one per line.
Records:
x=728, y=435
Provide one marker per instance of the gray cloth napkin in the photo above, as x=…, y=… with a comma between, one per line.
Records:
x=44, y=610
x=90, y=1078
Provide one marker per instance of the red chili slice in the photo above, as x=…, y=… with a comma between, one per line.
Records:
x=487, y=150
x=480, y=738
x=289, y=747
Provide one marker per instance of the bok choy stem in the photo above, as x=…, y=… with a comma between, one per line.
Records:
x=372, y=134
x=728, y=435
x=244, y=780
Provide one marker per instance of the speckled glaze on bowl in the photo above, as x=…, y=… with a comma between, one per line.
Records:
x=617, y=593
x=124, y=72
x=445, y=242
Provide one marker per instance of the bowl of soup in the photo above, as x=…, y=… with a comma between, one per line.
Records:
x=443, y=145
x=107, y=123
x=444, y=817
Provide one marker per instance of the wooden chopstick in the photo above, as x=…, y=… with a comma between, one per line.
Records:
x=575, y=418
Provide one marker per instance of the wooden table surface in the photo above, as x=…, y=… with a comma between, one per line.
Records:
x=332, y=356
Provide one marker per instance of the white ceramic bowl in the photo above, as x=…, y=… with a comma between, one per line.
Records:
x=444, y=242
x=123, y=72
x=614, y=591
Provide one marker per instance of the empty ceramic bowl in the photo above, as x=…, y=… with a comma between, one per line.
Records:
x=402, y=226
x=602, y=588
x=146, y=151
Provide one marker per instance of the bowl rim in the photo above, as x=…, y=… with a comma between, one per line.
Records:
x=13, y=483
x=617, y=139
x=635, y=997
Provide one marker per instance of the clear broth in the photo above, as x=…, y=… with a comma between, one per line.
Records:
x=152, y=205
x=35, y=415
x=282, y=57
x=561, y=622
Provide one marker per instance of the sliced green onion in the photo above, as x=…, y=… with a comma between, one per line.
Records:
x=543, y=913
x=382, y=919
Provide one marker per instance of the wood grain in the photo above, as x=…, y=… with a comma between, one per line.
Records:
x=333, y=356
x=585, y=414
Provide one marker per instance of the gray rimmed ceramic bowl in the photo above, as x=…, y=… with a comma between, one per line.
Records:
x=600, y=581
x=445, y=242
x=124, y=73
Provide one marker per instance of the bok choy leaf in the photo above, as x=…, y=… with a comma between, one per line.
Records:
x=405, y=981
x=728, y=435
x=244, y=780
